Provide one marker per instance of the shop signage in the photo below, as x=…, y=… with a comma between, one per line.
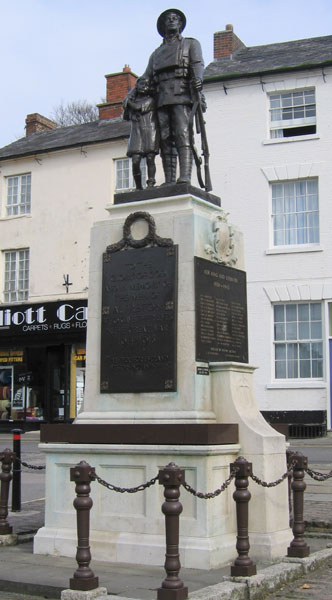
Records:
x=11, y=356
x=52, y=317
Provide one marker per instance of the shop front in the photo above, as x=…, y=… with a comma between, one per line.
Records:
x=42, y=363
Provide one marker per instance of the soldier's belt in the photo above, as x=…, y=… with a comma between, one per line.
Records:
x=166, y=75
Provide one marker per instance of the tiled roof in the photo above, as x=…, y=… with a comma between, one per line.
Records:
x=66, y=137
x=283, y=56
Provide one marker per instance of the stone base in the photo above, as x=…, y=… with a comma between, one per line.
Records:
x=9, y=539
x=131, y=528
x=269, y=546
x=143, y=549
x=79, y=595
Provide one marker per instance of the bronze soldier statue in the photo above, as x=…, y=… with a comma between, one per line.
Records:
x=176, y=71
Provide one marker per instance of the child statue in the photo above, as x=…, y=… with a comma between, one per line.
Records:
x=139, y=108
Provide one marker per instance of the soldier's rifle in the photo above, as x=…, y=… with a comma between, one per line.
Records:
x=200, y=129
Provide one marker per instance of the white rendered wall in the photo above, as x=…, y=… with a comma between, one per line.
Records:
x=69, y=192
x=243, y=163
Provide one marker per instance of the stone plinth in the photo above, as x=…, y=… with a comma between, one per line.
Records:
x=188, y=221
x=130, y=528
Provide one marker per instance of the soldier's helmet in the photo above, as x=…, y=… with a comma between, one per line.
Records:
x=161, y=20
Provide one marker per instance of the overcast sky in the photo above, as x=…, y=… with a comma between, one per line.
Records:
x=55, y=51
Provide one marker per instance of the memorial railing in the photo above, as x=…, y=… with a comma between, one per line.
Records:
x=172, y=478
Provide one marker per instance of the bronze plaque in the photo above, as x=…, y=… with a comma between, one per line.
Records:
x=221, y=313
x=138, y=321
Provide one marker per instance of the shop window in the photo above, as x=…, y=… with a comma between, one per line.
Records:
x=293, y=113
x=6, y=378
x=16, y=284
x=19, y=195
x=295, y=212
x=124, y=180
x=298, y=342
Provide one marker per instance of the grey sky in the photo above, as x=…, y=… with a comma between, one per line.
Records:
x=60, y=50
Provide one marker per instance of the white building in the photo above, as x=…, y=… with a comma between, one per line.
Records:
x=270, y=133
x=54, y=185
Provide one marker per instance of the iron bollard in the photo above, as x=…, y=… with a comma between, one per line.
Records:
x=16, y=485
x=84, y=578
x=172, y=588
x=243, y=565
x=6, y=458
x=298, y=546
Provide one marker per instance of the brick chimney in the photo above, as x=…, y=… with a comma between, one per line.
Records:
x=225, y=43
x=117, y=86
x=35, y=123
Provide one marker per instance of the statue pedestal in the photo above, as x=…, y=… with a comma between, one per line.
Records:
x=131, y=529
x=187, y=220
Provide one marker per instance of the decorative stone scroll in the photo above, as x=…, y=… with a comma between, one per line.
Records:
x=221, y=249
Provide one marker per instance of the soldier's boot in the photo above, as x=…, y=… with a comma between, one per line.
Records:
x=138, y=180
x=167, y=166
x=185, y=162
x=136, y=162
x=174, y=161
x=150, y=161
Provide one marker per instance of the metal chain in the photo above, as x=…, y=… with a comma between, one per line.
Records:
x=318, y=476
x=209, y=495
x=35, y=467
x=132, y=490
x=274, y=483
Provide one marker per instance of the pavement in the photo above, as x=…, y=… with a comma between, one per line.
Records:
x=26, y=576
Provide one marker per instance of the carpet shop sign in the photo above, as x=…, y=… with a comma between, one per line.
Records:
x=38, y=318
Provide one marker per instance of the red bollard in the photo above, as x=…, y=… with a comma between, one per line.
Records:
x=298, y=546
x=172, y=588
x=16, y=484
x=6, y=458
x=84, y=578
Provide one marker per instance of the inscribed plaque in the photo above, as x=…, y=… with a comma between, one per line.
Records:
x=139, y=317
x=221, y=313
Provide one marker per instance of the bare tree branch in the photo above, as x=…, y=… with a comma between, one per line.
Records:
x=74, y=113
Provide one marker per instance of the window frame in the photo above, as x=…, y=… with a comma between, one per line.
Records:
x=298, y=380
x=16, y=270
x=305, y=218
x=131, y=182
x=20, y=203
x=296, y=123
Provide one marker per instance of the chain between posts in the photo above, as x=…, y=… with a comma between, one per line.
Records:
x=277, y=481
x=318, y=476
x=209, y=495
x=34, y=467
x=133, y=490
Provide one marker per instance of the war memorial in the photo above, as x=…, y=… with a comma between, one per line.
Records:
x=168, y=374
